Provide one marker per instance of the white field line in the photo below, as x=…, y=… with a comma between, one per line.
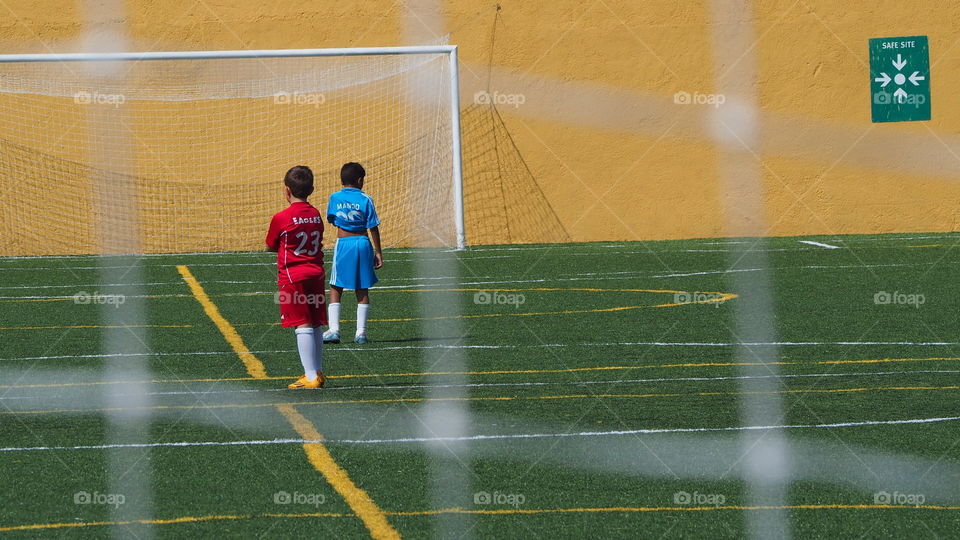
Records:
x=27, y=268
x=10, y=287
x=273, y=263
x=819, y=244
x=591, y=276
x=623, y=272
x=263, y=254
x=713, y=250
x=433, y=278
x=97, y=304
x=285, y=351
x=269, y=263
x=735, y=271
x=158, y=354
x=144, y=255
x=639, y=273
x=262, y=293
x=523, y=383
x=459, y=258
x=586, y=276
x=778, y=343
x=538, y=346
x=504, y=436
x=845, y=266
x=390, y=251
x=503, y=248
x=424, y=286
x=180, y=283
x=895, y=238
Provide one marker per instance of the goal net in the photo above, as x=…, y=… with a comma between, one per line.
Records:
x=193, y=146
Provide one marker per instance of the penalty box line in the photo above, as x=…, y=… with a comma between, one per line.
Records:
x=319, y=457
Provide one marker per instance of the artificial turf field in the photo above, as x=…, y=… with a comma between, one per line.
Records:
x=564, y=365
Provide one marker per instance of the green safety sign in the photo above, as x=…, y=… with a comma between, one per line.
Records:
x=900, y=79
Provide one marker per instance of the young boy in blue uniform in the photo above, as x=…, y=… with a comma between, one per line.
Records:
x=355, y=255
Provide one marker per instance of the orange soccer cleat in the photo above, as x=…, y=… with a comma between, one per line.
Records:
x=304, y=382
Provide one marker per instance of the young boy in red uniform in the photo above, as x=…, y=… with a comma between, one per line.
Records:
x=295, y=235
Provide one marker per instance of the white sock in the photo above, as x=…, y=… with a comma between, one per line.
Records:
x=362, y=310
x=333, y=316
x=307, y=346
x=318, y=340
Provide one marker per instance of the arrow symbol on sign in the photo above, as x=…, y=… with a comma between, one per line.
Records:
x=917, y=77
x=899, y=62
x=901, y=95
x=883, y=78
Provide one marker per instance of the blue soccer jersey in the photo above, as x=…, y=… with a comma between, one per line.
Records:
x=352, y=210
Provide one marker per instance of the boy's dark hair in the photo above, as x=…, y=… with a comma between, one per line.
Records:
x=351, y=174
x=300, y=181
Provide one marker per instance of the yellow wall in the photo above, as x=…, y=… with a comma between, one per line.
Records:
x=598, y=129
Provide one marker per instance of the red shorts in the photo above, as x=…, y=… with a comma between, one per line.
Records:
x=302, y=302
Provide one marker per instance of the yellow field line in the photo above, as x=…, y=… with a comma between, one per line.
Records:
x=495, y=511
x=254, y=365
x=489, y=372
x=317, y=454
x=185, y=519
x=487, y=398
x=887, y=360
x=361, y=503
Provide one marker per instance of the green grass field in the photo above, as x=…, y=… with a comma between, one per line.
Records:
x=562, y=386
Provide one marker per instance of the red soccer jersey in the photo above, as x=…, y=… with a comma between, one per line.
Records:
x=296, y=234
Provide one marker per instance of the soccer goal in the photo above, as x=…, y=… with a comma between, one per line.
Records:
x=190, y=147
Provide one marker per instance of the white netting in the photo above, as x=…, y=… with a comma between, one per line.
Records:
x=202, y=145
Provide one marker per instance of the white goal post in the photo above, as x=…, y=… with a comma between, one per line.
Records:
x=175, y=94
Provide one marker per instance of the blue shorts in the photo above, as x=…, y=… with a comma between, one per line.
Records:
x=352, y=266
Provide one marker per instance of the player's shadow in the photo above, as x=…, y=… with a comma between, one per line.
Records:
x=422, y=339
